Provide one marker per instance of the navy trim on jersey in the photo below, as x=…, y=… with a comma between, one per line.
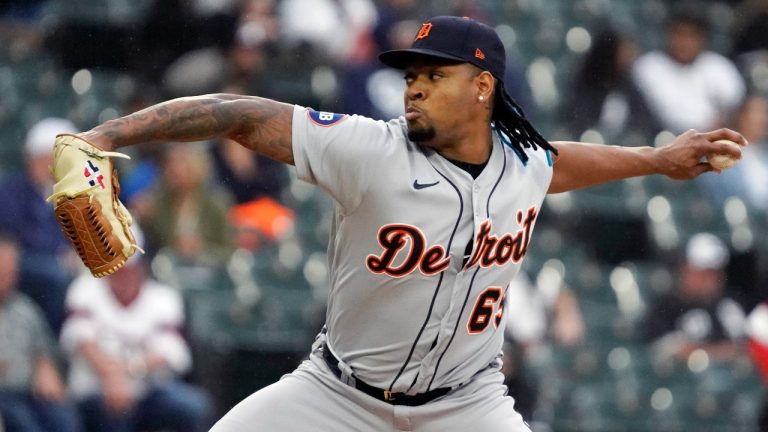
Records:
x=439, y=283
x=415, y=378
x=504, y=140
x=458, y=320
x=493, y=189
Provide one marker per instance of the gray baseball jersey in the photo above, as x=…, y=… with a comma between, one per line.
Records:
x=412, y=307
x=405, y=312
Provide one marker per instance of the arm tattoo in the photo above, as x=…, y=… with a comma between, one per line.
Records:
x=259, y=124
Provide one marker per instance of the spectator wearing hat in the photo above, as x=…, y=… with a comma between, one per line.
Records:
x=48, y=263
x=698, y=315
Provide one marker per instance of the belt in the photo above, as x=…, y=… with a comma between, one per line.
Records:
x=384, y=395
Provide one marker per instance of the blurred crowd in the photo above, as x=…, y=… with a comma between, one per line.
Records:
x=644, y=278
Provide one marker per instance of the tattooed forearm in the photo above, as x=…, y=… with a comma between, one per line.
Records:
x=185, y=119
x=260, y=124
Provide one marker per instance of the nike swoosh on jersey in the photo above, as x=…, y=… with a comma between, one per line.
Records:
x=417, y=185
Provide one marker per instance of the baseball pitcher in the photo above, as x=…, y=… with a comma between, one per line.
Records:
x=435, y=211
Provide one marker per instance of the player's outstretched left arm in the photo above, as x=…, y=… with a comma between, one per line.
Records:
x=580, y=165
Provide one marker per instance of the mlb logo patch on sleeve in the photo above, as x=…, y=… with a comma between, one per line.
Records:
x=322, y=118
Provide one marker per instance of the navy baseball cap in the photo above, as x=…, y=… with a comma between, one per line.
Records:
x=453, y=38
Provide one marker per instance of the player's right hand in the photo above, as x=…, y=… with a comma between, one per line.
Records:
x=682, y=159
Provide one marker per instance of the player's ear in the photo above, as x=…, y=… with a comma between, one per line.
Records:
x=484, y=82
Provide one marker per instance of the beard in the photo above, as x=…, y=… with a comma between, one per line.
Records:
x=421, y=134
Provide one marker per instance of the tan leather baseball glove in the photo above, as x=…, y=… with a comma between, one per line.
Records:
x=86, y=204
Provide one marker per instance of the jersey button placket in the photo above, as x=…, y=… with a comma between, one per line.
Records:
x=476, y=207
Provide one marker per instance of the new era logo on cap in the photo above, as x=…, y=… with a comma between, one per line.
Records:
x=454, y=39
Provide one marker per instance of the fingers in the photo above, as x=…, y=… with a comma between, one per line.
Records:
x=685, y=158
x=722, y=148
x=705, y=143
x=701, y=168
x=726, y=134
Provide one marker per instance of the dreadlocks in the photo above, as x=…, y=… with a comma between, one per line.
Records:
x=510, y=120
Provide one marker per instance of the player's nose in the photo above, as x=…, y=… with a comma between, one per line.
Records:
x=414, y=92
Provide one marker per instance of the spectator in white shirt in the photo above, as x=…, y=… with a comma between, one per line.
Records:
x=127, y=355
x=687, y=86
